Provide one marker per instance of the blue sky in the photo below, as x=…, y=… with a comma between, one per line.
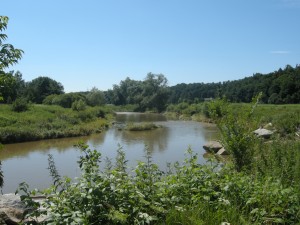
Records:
x=98, y=43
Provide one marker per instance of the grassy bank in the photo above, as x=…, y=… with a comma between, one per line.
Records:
x=285, y=119
x=47, y=122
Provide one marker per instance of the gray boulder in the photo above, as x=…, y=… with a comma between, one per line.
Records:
x=212, y=146
x=262, y=132
x=11, y=208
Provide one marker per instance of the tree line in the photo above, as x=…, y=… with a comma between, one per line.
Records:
x=278, y=87
x=153, y=93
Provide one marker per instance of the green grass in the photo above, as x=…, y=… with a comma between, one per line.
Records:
x=141, y=126
x=47, y=122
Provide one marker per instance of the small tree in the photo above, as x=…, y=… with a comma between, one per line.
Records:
x=237, y=131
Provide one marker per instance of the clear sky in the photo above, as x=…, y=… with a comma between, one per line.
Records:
x=98, y=43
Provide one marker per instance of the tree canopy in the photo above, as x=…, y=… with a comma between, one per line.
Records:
x=38, y=89
x=278, y=87
x=150, y=94
x=8, y=56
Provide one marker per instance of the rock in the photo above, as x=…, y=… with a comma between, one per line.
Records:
x=212, y=146
x=11, y=208
x=223, y=151
x=262, y=132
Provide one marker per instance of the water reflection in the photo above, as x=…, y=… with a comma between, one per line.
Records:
x=155, y=139
x=139, y=117
x=22, y=150
x=28, y=161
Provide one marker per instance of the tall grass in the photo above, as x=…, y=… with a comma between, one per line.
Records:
x=45, y=122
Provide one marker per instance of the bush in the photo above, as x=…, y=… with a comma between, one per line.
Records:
x=79, y=105
x=20, y=105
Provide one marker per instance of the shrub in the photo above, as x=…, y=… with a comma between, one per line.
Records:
x=20, y=105
x=236, y=130
x=79, y=105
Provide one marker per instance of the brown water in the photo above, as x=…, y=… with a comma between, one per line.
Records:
x=28, y=161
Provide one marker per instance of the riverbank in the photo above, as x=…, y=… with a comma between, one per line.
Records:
x=285, y=119
x=49, y=122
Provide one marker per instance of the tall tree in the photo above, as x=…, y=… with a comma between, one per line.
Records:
x=155, y=92
x=38, y=89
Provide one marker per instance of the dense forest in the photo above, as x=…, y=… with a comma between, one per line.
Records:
x=279, y=87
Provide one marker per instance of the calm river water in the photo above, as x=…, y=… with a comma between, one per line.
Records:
x=29, y=161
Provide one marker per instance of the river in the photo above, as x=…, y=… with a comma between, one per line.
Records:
x=29, y=161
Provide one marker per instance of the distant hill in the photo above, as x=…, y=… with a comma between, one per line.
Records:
x=279, y=87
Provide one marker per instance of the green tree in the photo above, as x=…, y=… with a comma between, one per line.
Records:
x=155, y=92
x=12, y=86
x=95, y=97
x=8, y=56
x=38, y=89
x=7, y=87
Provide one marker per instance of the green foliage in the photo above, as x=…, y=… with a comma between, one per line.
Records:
x=150, y=94
x=95, y=97
x=20, y=105
x=45, y=122
x=216, y=109
x=7, y=86
x=236, y=131
x=39, y=88
x=9, y=54
x=278, y=87
x=279, y=159
x=141, y=126
x=186, y=194
x=287, y=123
x=64, y=100
x=79, y=105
